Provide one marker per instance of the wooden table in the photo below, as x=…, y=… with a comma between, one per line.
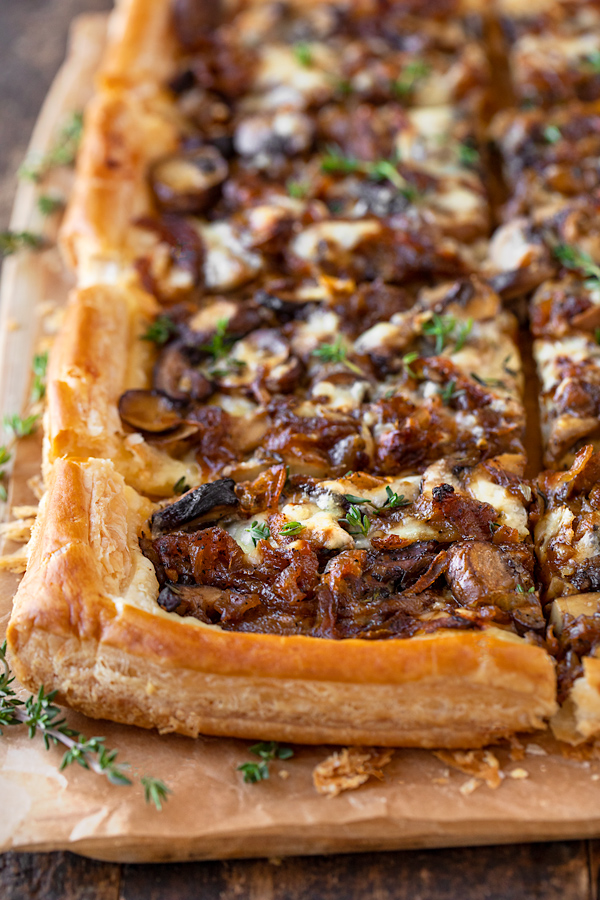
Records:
x=32, y=44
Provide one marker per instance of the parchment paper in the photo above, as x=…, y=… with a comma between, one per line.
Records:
x=211, y=812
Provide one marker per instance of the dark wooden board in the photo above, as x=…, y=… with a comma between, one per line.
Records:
x=560, y=871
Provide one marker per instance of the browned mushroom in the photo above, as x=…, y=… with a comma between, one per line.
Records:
x=175, y=376
x=149, y=411
x=189, y=182
x=193, y=18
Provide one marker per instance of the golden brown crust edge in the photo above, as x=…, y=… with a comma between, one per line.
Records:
x=97, y=356
x=85, y=622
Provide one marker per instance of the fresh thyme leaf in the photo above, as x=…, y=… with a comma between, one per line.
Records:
x=468, y=156
x=4, y=455
x=181, y=486
x=271, y=750
x=267, y=751
x=394, y=500
x=254, y=771
x=63, y=153
x=449, y=392
x=39, y=715
x=297, y=189
x=409, y=76
x=38, y=388
x=552, y=134
x=259, y=531
x=572, y=257
x=48, y=204
x=21, y=426
x=407, y=361
x=440, y=327
x=160, y=330
x=303, y=54
x=155, y=791
x=487, y=382
x=336, y=353
x=463, y=330
x=291, y=529
x=218, y=347
x=359, y=523
x=13, y=241
x=3, y=494
x=512, y=372
x=378, y=170
x=344, y=86
x=521, y=590
x=352, y=499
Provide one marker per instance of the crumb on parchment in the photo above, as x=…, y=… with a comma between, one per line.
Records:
x=480, y=764
x=347, y=769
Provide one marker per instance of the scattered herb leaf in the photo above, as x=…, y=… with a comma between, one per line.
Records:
x=48, y=204
x=439, y=327
x=291, y=529
x=487, y=382
x=395, y=500
x=358, y=522
x=552, y=134
x=13, y=241
x=155, y=791
x=336, y=353
x=63, y=153
x=407, y=361
x=259, y=531
x=181, y=486
x=409, y=76
x=297, y=189
x=572, y=257
x=468, y=156
x=303, y=54
x=218, y=346
x=21, y=426
x=39, y=366
x=449, y=392
x=160, y=330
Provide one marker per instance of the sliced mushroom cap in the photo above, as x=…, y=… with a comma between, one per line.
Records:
x=175, y=376
x=189, y=182
x=480, y=573
x=149, y=411
x=196, y=503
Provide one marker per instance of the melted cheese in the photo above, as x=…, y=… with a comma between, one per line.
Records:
x=346, y=235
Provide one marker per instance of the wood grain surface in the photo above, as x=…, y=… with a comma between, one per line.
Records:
x=32, y=43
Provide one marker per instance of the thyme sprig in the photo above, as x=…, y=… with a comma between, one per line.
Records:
x=267, y=751
x=259, y=531
x=39, y=715
x=394, y=500
x=572, y=257
x=357, y=521
x=336, y=353
x=219, y=344
x=377, y=170
x=291, y=529
x=63, y=152
x=160, y=330
x=410, y=75
x=444, y=328
x=21, y=426
x=47, y=204
x=13, y=241
x=39, y=366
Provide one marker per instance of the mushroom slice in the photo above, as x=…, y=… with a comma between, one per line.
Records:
x=263, y=351
x=189, y=182
x=175, y=376
x=196, y=503
x=149, y=411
